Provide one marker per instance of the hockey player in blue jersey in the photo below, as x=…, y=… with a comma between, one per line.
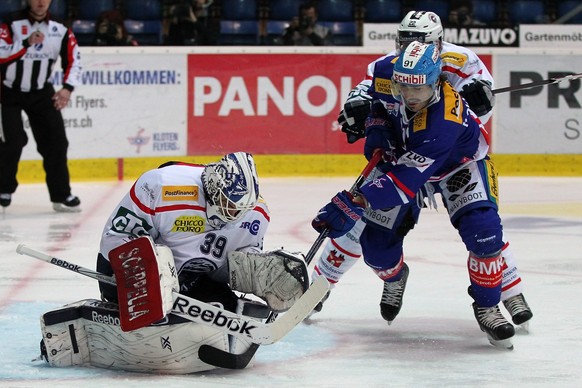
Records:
x=433, y=144
x=467, y=74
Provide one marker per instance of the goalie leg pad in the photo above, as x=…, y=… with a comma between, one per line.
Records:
x=278, y=277
x=88, y=333
x=146, y=279
x=64, y=337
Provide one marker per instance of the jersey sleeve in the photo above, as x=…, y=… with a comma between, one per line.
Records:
x=133, y=217
x=10, y=50
x=71, y=61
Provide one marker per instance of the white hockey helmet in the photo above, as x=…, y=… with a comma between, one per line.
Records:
x=422, y=26
x=231, y=187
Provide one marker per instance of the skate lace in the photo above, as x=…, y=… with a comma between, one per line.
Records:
x=516, y=305
x=392, y=294
x=491, y=316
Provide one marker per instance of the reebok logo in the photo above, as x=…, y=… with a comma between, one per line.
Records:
x=184, y=306
x=65, y=264
x=105, y=318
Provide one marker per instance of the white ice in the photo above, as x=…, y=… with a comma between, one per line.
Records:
x=435, y=341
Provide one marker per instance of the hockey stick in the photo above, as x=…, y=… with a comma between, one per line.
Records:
x=222, y=359
x=210, y=315
x=538, y=83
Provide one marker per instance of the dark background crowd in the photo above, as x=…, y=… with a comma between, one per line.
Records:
x=279, y=22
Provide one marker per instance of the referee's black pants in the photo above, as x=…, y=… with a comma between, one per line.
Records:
x=48, y=129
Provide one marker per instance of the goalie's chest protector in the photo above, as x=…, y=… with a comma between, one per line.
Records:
x=179, y=217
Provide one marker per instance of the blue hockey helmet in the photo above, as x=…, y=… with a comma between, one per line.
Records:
x=416, y=74
x=419, y=64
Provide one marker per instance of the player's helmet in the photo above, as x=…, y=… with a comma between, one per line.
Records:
x=417, y=70
x=231, y=187
x=422, y=26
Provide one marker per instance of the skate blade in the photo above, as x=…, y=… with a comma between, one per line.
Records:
x=501, y=344
x=523, y=328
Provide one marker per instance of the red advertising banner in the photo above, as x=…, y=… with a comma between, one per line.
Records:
x=270, y=103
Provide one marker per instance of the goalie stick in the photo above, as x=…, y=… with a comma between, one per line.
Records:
x=537, y=83
x=222, y=359
x=210, y=315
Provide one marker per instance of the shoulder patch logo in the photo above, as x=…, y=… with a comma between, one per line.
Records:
x=383, y=85
x=456, y=59
x=180, y=193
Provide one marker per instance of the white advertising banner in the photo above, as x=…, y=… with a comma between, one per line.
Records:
x=567, y=36
x=540, y=120
x=129, y=105
x=140, y=103
x=380, y=35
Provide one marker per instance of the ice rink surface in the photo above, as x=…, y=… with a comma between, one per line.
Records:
x=434, y=342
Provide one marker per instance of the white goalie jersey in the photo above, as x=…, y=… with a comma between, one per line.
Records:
x=170, y=206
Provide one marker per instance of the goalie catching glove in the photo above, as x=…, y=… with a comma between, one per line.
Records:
x=278, y=277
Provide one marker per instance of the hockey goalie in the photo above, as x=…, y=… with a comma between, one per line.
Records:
x=184, y=247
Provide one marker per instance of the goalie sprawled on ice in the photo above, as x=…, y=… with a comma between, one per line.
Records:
x=172, y=255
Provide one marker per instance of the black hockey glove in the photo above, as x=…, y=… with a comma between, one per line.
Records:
x=352, y=119
x=479, y=96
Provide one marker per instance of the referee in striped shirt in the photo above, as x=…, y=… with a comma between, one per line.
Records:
x=30, y=44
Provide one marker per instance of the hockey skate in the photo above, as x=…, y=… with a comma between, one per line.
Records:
x=319, y=306
x=519, y=310
x=69, y=205
x=392, y=296
x=494, y=324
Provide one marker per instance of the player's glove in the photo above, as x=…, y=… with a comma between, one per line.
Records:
x=352, y=118
x=339, y=216
x=479, y=96
x=378, y=135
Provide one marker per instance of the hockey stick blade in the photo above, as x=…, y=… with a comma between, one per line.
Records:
x=281, y=327
x=538, y=83
x=209, y=315
x=227, y=360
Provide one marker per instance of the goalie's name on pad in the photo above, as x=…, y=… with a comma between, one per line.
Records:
x=185, y=307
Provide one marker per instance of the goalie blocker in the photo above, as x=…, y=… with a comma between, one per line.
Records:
x=147, y=284
x=88, y=333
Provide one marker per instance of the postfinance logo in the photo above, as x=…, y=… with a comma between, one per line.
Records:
x=180, y=193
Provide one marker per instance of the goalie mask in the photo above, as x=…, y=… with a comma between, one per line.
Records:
x=416, y=76
x=231, y=187
x=421, y=26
